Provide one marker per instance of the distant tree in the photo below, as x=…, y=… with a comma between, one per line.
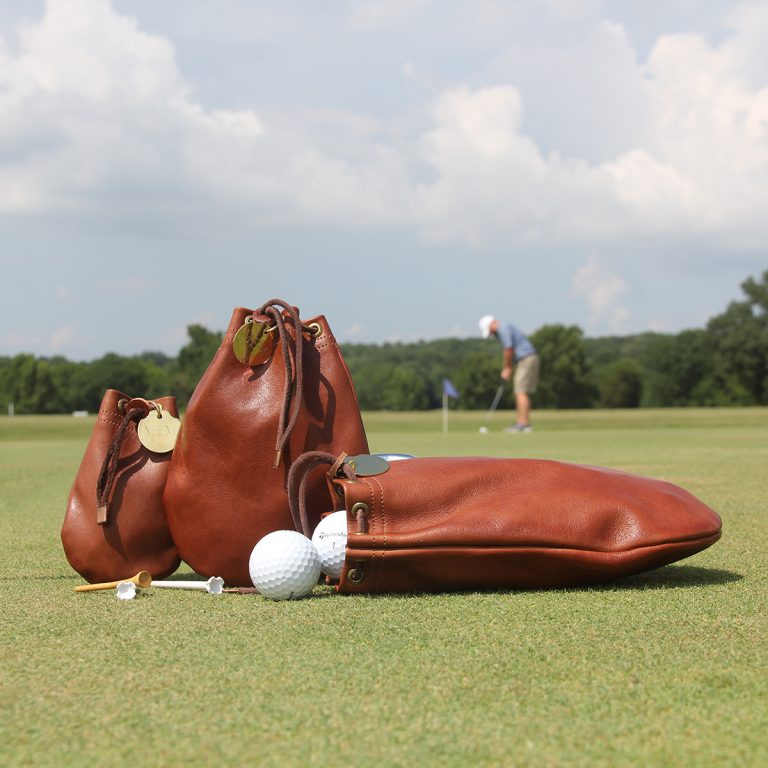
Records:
x=674, y=368
x=194, y=357
x=477, y=379
x=621, y=385
x=739, y=345
x=565, y=380
x=29, y=384
x=112, y=371
x=404, y=390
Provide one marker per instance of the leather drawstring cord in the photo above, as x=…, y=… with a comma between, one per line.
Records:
x=297, y=486
x=294, y=385
x=106, y=479
x=298, y=477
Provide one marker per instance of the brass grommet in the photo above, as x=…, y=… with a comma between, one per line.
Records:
x=315, y=329
x=360, y=507
x=121, y=403
x=355, y=575
x=248, y=319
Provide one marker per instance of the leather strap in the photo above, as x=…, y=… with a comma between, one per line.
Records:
x=108, y=472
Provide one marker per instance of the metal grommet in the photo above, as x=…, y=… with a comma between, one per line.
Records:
x=355, y=575
x=360, y=507
x=121, y=403
x=249, y=319
x=339, y=491
x=315, y=329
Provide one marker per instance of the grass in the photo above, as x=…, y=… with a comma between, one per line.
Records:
x=663, y=669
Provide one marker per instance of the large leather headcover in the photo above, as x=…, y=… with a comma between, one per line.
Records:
x=438, y=524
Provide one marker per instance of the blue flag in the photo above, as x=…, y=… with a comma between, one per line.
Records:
x=449, y=389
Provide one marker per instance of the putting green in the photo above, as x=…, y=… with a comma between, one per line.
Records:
x=667, y=668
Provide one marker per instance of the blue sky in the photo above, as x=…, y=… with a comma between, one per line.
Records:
x=402, y=167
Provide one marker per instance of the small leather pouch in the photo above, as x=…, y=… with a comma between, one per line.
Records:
x=115, y=524
x=277, y=387
x=444, y=524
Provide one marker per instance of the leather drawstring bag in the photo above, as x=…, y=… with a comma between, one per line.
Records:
x=115, y=524
x=277, y=387
x=445, y=524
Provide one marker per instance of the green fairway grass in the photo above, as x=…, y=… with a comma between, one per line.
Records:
x=668, y=668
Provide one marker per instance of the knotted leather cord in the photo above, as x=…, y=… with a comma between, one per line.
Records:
x=297, y=480
x=297, y=483
x=106, y=479
x=294, y=386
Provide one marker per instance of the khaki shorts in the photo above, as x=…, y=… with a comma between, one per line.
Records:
x=527, y=374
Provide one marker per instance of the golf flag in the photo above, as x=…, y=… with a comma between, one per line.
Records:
x=449, y=390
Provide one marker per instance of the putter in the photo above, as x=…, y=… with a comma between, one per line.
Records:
x=213, y=586
x=494, y=405
x=141, y=579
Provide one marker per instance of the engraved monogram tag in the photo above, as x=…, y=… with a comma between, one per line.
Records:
x=253, y=343
x=158, y=431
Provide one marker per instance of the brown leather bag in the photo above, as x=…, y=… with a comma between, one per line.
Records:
x=442, y=524
x=115, y=523
x=276, y=387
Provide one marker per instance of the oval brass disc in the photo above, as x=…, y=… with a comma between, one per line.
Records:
x=253, y=343
x=366, y=465
x=158, y=431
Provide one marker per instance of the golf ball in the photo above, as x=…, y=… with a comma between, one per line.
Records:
x=484, y=430
x=284, y=565
x=330, y=540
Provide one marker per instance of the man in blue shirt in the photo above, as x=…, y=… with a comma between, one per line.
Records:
x=520, y=354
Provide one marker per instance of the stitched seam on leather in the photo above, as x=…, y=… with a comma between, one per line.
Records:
x=380, y=573
x=107, y=418
x=371, y=506
x=514, y=547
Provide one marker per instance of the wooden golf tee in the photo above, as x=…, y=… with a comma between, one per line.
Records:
x=141, y=579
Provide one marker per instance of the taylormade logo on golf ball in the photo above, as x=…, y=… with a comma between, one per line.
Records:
x=330, y=540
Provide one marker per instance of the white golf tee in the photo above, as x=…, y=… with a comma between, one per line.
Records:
x=213, y=586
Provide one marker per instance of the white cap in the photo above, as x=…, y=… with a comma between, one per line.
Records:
x=485, y=325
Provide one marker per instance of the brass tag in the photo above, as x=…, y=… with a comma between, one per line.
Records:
x=253, y=343
x=366, y=465
x=158, y=431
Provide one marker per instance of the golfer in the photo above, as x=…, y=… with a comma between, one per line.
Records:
x=520, y=354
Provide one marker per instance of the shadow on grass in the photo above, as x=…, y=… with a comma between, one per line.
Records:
x=668, y=577
x=673, y=577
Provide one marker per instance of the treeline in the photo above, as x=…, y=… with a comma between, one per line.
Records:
x=725, y=363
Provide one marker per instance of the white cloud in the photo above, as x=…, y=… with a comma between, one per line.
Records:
x=96, y=114
x=604, y=294
x=61, y=338
x=352, y=332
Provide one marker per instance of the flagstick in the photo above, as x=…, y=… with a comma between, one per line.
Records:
x=445, y=414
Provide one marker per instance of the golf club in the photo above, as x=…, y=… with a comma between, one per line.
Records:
x=494, y=405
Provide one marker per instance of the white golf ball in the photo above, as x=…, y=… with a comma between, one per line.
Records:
x=284, y=565
x=484, y=430
x=330, y=540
